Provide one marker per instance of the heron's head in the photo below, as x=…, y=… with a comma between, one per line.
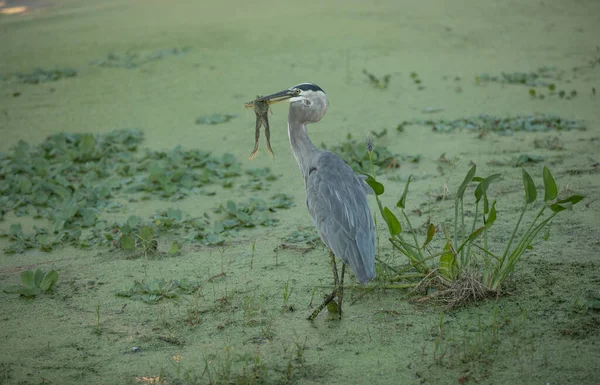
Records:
x=308, y=102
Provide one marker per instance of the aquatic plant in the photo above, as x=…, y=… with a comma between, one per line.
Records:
x=465, y=269
x=34, y=283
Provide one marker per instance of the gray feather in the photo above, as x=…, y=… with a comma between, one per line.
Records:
x=337, y=202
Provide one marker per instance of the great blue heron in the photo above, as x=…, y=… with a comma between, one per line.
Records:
x=335, y=195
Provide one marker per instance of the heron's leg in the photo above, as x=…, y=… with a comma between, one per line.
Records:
x=340, y=290
x=336, y=280
x=330, y=297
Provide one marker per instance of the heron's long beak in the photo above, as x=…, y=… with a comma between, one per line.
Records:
x=279, y=96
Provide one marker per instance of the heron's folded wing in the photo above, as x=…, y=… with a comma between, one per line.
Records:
x=337, y=202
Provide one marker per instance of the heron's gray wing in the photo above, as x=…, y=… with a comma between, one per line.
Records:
x=337, y=202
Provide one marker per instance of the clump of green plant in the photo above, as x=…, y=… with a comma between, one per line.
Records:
x=215, y=119
x=417, y=80
x=34, y=283
x=257, y=177
x=552, y=92
x=131, y=60
x=254, y=212
x=308, y=236
x=380, y=83
x=468, y=268
x=532, y=79
x=499, y=125
x=354, y=153
x=156, y=290
x=40, y=75
x=72, y=179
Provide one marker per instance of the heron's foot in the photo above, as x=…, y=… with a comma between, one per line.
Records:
x=332, y=307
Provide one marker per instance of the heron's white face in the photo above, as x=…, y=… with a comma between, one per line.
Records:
x=309, y=105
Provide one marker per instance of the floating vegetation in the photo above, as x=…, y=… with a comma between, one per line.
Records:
x=257, y=178
x=34, y=283
x=131, y=60
x=552, y=92
x=355, y=154
x=156, y=290
x=536, y=78
x=40, y=75
x=500, y=125
x=521, y=160
x=549, y=144
x=251, y=213
x=215, y=119
x=307, y=236
x=71, y=179
x=380, y=83
x=417, y=80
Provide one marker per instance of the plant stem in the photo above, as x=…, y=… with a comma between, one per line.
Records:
x=413, y=234
x=464, y=263
x=512, y=236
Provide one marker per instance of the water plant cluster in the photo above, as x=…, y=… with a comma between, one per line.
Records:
x=72, y=180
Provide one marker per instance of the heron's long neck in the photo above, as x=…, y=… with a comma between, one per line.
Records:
x=302, y=147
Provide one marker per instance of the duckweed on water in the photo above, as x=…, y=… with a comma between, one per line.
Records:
x=499, y=125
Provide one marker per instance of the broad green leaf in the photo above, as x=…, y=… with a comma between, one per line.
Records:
x=25, y=185
x=133, y=221
x=376, y=186
x=38, y=276
x=174, y=214
x=573, y=199
x=16, y=230
x=29, y=291
x=530, y=191
x=28, y=279
x=127, y=242
x=566, y=204
x=430, y=234
x=463, y=186
x=393, y=223
x=89, y=216
x=489, y=221
x=557, y=208
x=447, y=264
x=231, y=207
x=402, y=202
x=474, y=235
x=481, y=189
x=147, y=233
x=87, y=145
x=175, y=248
x=49, y=280
x=550, y=190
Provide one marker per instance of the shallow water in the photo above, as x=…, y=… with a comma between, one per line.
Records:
x=537, y=335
